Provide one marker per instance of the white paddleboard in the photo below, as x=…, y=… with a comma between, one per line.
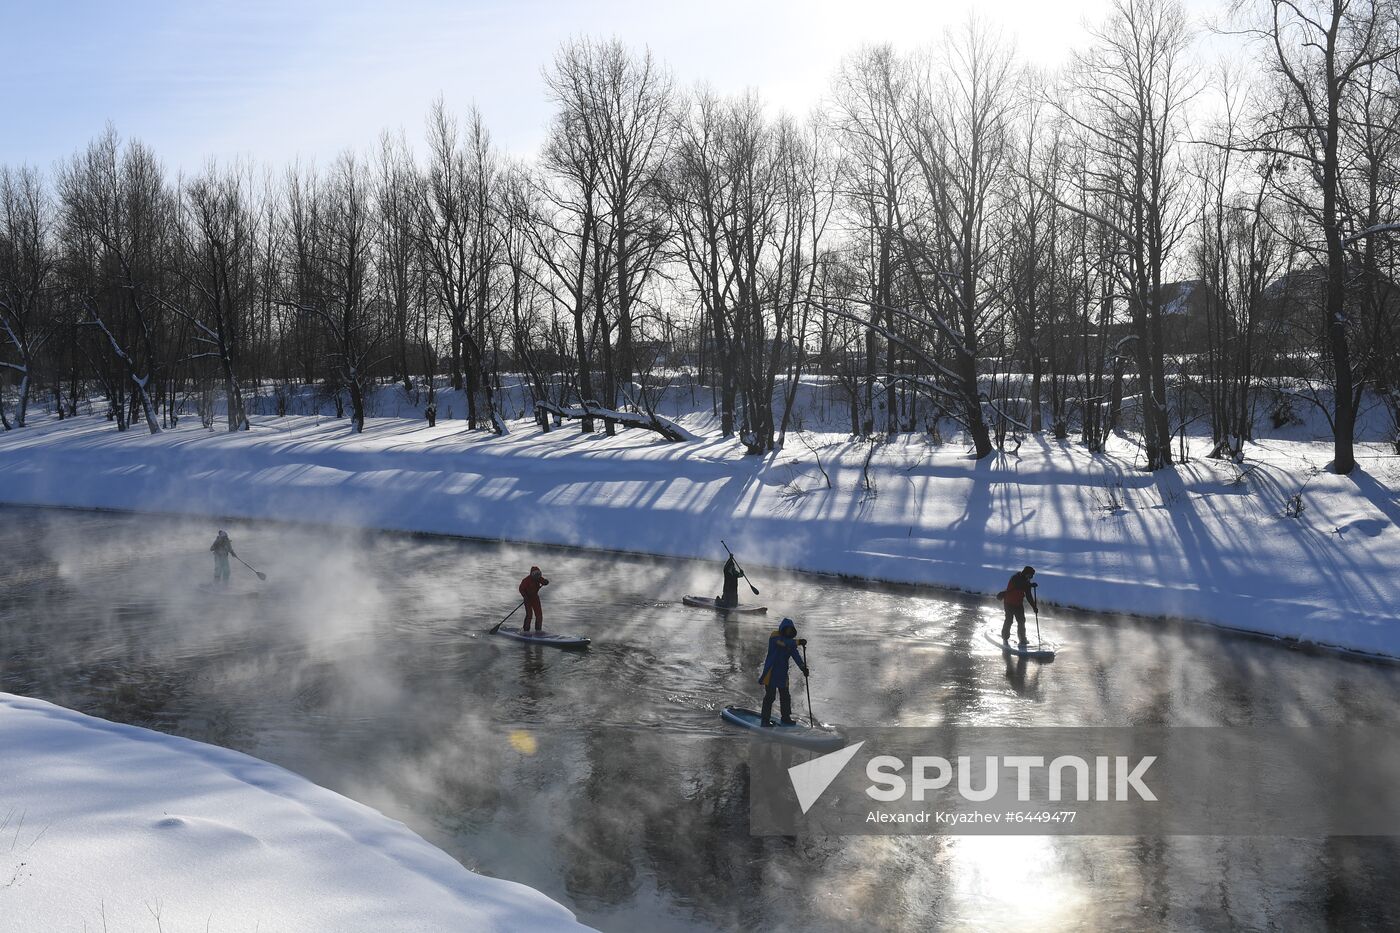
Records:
x=545, y=638
x=709, y=602
x=1040, y=651
x=799, y=734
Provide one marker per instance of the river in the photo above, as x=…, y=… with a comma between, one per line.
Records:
x=606, y=778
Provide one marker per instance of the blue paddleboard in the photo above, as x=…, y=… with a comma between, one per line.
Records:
x=799, y=735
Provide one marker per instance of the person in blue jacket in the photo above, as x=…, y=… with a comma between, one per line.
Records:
x=782, y=648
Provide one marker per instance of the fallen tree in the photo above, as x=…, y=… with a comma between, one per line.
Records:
x=647, y=421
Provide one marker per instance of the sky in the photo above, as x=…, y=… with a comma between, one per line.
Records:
x=277, y=81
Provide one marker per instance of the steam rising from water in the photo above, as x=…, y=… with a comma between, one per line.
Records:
x=605, y=778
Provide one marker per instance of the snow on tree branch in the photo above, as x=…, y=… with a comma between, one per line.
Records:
x=650, y=422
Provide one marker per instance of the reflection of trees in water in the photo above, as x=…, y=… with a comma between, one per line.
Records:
x=735, y=642
x=1210, y=882
x=465, y=778
x=1358, y=890
x=606, y=813
x=676, y=812
x=529, y=694
x=695, y=833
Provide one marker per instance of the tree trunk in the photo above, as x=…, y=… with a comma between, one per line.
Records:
x=1334, y=308
x=22, y=403
x=357, y=405
x=1036, y=425
x=147, y=408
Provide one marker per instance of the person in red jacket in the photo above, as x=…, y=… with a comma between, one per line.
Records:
x=530, y=590
x=1013, y=597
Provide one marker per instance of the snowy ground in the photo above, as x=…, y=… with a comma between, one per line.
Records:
x=1197, y=542
x=110, y=827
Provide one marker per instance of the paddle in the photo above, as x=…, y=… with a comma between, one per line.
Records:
x=1035, y=604
x=741, y=569
x=807, y=682
x=261, y=575
x=497, y=627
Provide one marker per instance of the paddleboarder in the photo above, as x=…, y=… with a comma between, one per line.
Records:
x=1014, y=598
x=530, y=592
x=732, y=573
x=223, y=550
x=782, y=648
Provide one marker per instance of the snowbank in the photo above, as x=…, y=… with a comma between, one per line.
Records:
x=1194, y=542
x=111, y=827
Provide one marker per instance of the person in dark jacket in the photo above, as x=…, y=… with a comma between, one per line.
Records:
x=732, y=573
x=223, y=550
x=1014, y=598
x=782, y=648
x=530, y=592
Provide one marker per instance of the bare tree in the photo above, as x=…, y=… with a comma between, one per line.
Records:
x=117, y=219
x=28, y=267
x=218, y=255
x=454, y=225
x=1371, y=192
x=1238, y=255
x=1031, y=254
x=561, y=223
x=1320, y=53
x=694, y=192
x=331, y=227
x=621, y=107
x=1128, y=101
x=872, y=87
x=398, y=194
x=958, y=130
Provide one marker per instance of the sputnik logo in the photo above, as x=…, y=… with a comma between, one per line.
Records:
x=811, y=778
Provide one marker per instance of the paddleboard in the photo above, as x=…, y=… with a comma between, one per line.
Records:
x=544, y=638
x=215, y=589
x=1042, y=651
x=799, y=735
x=709, y=602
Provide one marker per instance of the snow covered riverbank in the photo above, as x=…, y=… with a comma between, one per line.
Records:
x=1199, y=541
x=111, y=827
